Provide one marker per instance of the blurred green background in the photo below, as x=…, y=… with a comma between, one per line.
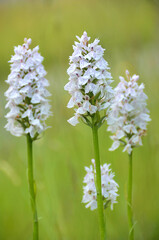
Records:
x=129, y=30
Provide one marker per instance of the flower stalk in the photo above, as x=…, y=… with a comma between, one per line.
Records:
x=32, y=189
x=98, y=182
x=28, y=105
x=128, y=118
x=129, y=200
x=91, y=93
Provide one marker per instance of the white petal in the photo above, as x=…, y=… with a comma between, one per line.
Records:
x=114, y=146
x=73, y=121
x=71, y=103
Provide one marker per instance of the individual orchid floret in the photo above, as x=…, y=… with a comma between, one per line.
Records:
x=109, y=186
x=27, y=94
x=128, y=115
x=89, y=80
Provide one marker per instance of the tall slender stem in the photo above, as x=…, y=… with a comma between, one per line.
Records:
x=32, y=187
x=98, y=183
x=129, y=201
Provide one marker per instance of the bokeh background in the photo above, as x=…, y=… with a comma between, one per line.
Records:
x=129, y=30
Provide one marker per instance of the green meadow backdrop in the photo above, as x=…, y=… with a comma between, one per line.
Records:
x=129, y=30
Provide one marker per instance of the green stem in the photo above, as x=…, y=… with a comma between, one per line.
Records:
x=98, y=183
x=32, y=187
x=129, y=201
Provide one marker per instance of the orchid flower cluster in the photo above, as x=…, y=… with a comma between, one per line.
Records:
x=124, y=108
x=109, y=186
x=27, y=94
x=128, y=115
x=89, y=80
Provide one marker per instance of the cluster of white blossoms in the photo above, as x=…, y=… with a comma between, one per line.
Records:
x=109, y=186
x=89, y=79
x=27, y=92
x=128, y=115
